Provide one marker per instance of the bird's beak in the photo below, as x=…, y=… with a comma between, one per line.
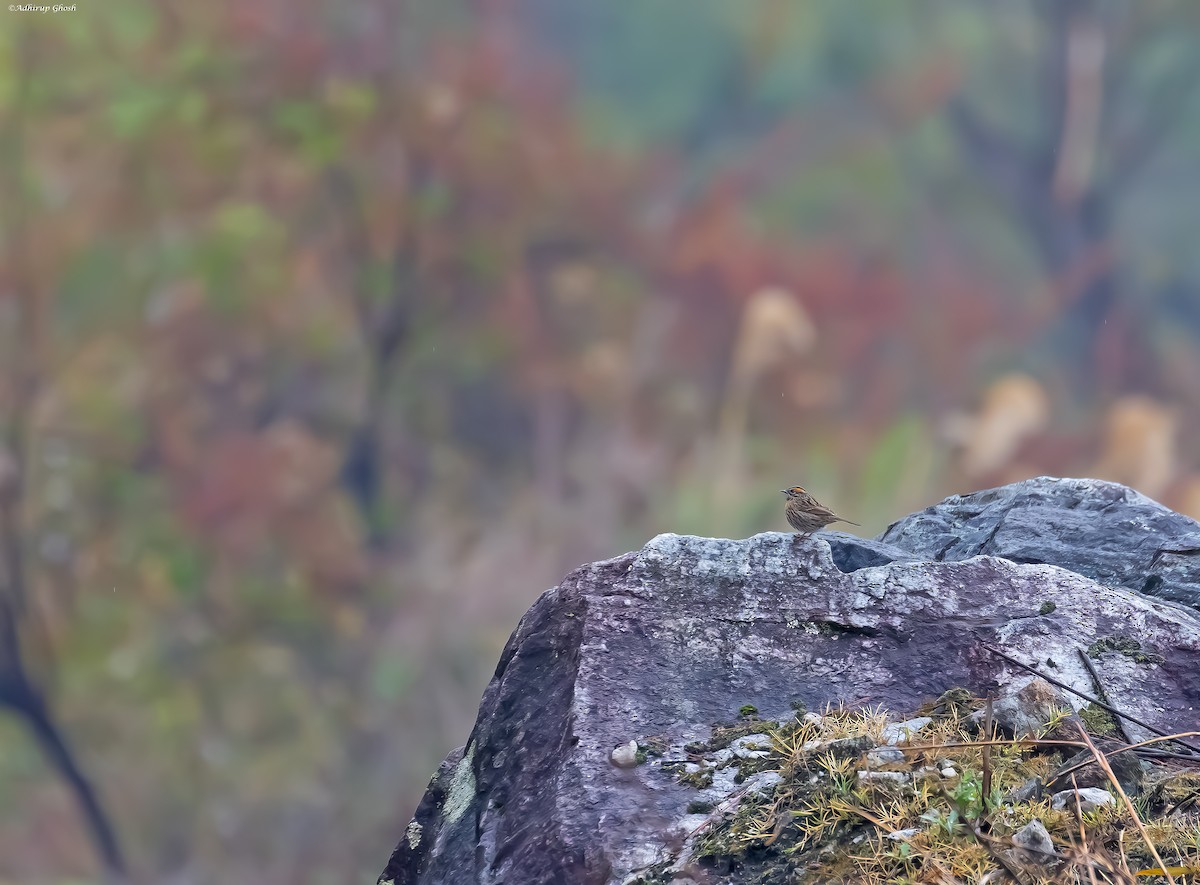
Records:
x=787, y=492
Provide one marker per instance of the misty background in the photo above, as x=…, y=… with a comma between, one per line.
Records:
x=332, y=334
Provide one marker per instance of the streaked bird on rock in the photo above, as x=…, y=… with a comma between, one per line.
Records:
x=806, y=514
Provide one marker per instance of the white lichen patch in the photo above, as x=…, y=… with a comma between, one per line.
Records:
x=768, y=554
x=751, y=746
x=762, y=783
x=413, y=835
x=461, y=791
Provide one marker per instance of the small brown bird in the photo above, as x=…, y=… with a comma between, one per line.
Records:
x=805, y=514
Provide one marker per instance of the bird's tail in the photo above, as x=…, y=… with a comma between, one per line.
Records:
x=850, y=522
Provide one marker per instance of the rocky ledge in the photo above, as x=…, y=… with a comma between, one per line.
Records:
x=662, y=646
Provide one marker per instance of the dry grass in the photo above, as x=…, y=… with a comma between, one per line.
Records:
x=934, y=821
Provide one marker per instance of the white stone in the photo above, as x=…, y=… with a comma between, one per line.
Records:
x=902, y=732
x=752, y=746
x=1090, y=798
x=625, y=756
x=883, y=777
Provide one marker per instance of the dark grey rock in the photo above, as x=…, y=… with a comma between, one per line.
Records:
x=851, y=553
x=1034, y=837
x=1032, y=846
x=1101, y=530
x=1031, y=789
x=672, y=639
x=1081, y=770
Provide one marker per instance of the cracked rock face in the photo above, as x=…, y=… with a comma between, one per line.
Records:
x=663, y=643
x=1101, y=530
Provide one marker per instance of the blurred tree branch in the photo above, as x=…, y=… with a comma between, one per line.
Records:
x=384, y=321
x=18, y=690
x=1062, y=199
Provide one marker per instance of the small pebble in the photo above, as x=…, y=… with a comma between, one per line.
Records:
x=949, y=771
x=625, y=756
x=883, y=777
x=1031, y=846
x=1033, y=836
x=1031, y=789
x=882, y=757
x=1090, y=798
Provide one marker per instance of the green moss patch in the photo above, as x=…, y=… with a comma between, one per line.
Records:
x=1124, y=645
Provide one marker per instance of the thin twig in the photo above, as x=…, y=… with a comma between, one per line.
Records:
x=1121, y=852
x=987, y=754
x=1137, y=821
x=1077, y=692
x=1182, y=802
x=1139, y=744
x=1006, y=742
x=1087, y=662
x=1091, y=868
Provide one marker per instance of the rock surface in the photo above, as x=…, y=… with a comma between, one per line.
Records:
x=1101, y=530
x=1026, y=704
x=659, y=645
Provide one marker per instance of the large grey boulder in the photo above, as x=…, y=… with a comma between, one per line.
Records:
x=1102, y=530
x=656, y=646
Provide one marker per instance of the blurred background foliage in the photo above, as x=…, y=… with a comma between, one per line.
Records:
x=330, y=334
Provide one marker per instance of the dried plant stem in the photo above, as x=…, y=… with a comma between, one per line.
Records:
x=1102, y=760
x=1146, y=743
x=987, y=753
x=999, y=742
x=992, y=845
x=1087, y=853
